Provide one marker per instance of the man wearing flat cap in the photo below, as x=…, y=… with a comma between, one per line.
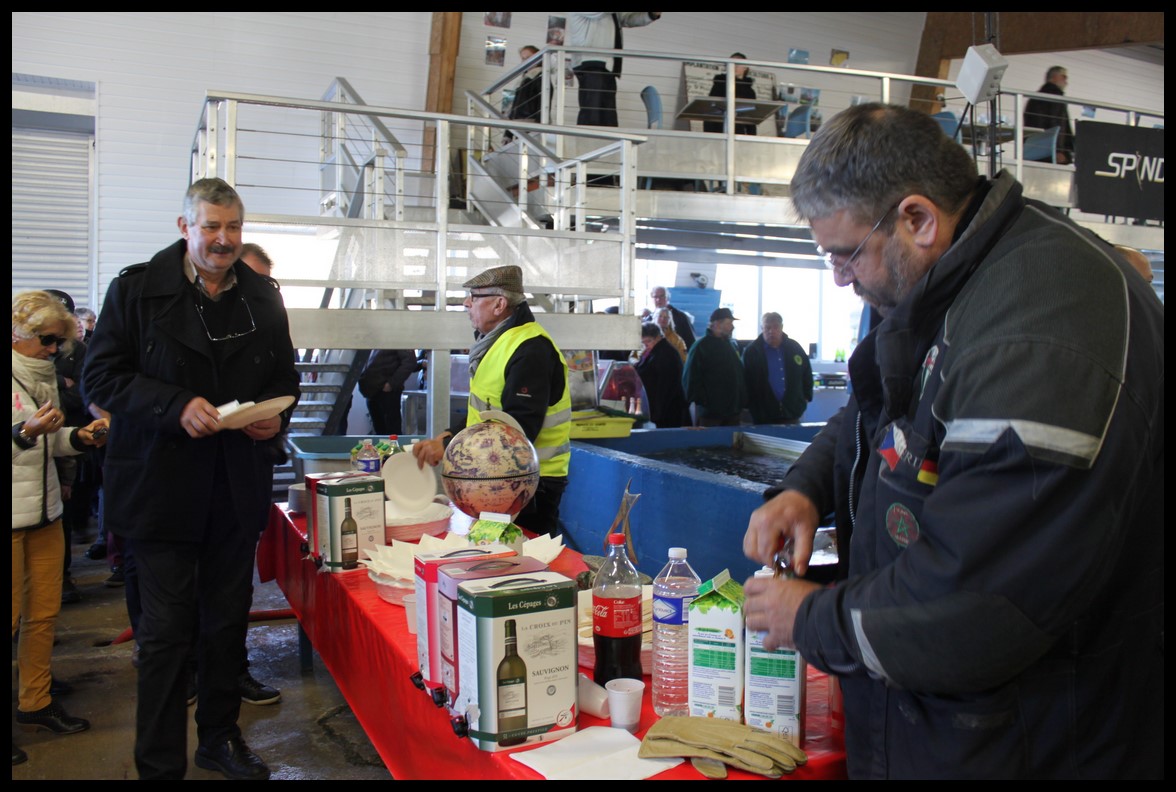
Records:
x=713, y=376
x=516, y=367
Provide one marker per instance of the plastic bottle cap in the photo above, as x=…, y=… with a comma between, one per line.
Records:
x=616, y=539
x=677, y=553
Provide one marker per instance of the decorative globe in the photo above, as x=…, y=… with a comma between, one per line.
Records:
x=490, y=467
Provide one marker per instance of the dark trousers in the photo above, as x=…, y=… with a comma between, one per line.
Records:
x=184, y=587
x=384, y=408
x=598, y=94
x=541, y=515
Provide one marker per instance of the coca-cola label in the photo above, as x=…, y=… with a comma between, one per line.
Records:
x=616, y=618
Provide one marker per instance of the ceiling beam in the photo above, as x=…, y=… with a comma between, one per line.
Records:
x=948, y=34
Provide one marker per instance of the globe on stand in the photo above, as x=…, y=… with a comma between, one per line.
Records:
x=490, y=467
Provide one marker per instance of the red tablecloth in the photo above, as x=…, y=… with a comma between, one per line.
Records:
x=366, y=646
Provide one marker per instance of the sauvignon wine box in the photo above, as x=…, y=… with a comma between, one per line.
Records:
x=517, y=656
x=319, y=542
x=717, y=650
x=331, y=496
x=449, y=577
x=425, y=570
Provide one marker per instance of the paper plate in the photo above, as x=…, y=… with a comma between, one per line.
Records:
x=257, y=412
x=409, y=488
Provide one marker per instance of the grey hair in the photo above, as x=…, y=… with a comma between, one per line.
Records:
x=870, y=156
x=259, y=251
x=772, y=316
x=85, y=314
x=214, y=191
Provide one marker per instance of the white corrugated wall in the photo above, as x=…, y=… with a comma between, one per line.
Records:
x=51, y=211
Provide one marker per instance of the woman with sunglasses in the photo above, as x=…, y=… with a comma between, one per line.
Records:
x=41, y=327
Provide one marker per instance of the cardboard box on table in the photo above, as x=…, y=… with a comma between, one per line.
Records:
x=425, y=568
x=449, y=577
x=328, y=509
x=774, y=689
x=717, y=650
x=543, y=608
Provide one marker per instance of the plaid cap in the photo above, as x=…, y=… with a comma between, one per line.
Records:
x=508, y=278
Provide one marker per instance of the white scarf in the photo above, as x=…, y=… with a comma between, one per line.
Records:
x=38, y=376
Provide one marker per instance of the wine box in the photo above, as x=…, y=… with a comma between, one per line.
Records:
x=425, y=569
x=449, y=577
x=504, y=704
x=366, y=494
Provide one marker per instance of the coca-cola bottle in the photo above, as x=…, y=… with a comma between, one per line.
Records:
x=616, y=615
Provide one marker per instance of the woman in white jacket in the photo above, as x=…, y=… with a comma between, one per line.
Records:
x=41, y=325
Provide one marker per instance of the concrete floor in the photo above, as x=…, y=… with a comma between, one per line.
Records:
x=310, y=734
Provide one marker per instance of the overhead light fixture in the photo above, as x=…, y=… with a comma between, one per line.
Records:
x=980, y=76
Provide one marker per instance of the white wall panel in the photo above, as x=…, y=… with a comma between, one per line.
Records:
x=153, y=70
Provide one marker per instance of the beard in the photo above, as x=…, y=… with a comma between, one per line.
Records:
x=902, y=269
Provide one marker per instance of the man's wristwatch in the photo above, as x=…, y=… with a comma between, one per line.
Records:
x=25, y=437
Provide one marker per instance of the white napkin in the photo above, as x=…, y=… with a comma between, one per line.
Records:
x=598, y=752
x=544, y=548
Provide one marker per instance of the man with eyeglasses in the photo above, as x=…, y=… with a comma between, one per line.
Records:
x=997, y=477
x=517, y=368
x=191, y=329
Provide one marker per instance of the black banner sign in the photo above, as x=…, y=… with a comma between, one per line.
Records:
x=1120, y=170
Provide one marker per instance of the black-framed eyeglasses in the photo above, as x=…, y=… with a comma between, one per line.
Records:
x=52, y=340
x=830, y=258
x=252, y=323
x=472, y=296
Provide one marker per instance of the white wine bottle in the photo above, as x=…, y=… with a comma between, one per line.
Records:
x=512, y=692
x=349, y=538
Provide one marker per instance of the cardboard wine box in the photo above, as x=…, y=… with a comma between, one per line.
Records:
x=517, y=659
x=449, y=577
x=366, y=495
x=318, y=541
x=425, y=568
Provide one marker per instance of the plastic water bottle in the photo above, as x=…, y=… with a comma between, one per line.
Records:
x=673, y=590
x=617, y=621
x=368, y=458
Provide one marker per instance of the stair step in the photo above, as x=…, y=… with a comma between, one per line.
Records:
x=314, y=406
x=340, y=368
x=311, y=387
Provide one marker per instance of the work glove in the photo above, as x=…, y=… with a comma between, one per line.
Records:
x=709, y=740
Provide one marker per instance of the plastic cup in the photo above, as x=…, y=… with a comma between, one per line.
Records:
x=410, y=612
x=624, y=703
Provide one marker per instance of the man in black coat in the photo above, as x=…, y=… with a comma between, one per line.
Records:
x=680, y=319
x=1044, y=114
x=382, y=385
x=191, y=329
x=660, y=369
x=778, y=373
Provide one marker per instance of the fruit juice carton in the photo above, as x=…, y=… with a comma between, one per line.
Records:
x=717, y=650
x=774, y=689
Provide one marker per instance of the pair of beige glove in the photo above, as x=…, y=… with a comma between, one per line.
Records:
x=711, y=744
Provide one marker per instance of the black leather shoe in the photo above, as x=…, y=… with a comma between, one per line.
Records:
x=18, y=756
x=69, y=593
x=234, y=759
x=52, y=718
x=97, y=551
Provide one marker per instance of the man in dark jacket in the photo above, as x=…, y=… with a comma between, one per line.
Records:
x=713, y=375
x=191, y=329
x=997, y=468
x=779, y=374
x=382, y=385
x=1044, y=114
x=680, y=319
x=660, y=369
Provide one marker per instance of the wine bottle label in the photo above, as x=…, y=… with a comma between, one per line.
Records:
x=616, y=618
x=512, y=698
